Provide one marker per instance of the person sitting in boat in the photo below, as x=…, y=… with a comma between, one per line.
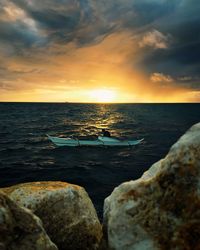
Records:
x=105, y=133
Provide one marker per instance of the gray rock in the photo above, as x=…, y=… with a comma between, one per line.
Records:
x=161, y=210
x=66, y=210
x=20, y=228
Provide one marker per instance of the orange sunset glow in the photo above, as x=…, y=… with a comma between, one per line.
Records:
x=91, y=62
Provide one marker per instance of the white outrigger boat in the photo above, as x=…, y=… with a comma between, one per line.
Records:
x=101, y=141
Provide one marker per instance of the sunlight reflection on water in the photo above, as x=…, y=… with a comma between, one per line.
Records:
x=27, y=155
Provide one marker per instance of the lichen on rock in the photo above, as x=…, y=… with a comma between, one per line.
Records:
x=21, y=229
x=161, y=210
x=66, y=210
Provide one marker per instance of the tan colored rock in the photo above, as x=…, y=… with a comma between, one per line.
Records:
x=161, y=210
x=20, y=229
x=66, y=210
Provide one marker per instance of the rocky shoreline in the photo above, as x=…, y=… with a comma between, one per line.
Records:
x=159, y=211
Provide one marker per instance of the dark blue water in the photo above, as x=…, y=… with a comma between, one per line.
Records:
x=27, y=155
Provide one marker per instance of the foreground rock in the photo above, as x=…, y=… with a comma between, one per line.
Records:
x=162, y=209
x=66, y=210
x=20, y=228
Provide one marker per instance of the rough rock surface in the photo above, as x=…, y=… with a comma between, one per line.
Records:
x=20, y=228
x=161, y=210
x=66, y=211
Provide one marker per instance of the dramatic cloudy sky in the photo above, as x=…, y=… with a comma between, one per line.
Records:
x=65, y=50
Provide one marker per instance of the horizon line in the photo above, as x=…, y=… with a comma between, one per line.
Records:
x=101, y=102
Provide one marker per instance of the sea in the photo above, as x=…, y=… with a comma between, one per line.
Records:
x=26, y=154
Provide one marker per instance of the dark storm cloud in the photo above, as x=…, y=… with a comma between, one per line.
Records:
x=17, y=34
x=175, y=60
x=64, y=21
x=181, y=58
x=135, y=13
x=51, y=15
x=86, y=20
x=169, y=30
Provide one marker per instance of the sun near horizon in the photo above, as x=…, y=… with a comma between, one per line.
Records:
x=103, y=96
x=99, y=52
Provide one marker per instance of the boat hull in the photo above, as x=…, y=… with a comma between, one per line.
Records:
x=101, y=141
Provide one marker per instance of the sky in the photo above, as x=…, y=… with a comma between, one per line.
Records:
x=100, y=50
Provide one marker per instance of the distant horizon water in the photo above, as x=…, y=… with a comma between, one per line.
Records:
x=102, y=102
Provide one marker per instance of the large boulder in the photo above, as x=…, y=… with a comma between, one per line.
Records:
x=161, y=210
x=20, y=228
x=66, y=210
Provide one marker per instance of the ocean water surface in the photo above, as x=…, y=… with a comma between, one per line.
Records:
x=27, y=155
